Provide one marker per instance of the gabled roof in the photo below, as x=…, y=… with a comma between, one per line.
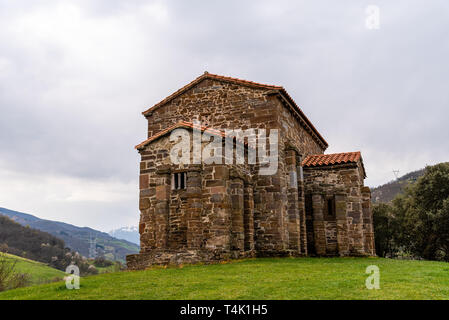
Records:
x=271, y=89
x=208, y=75
x=180, y=124
x=319, y=160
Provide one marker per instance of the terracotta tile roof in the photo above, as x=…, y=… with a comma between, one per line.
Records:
x=274, y=89
x=330, y=159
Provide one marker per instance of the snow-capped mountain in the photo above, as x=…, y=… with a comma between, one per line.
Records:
x=130, y=233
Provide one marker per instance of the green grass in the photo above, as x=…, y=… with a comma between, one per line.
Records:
x=108, y=269
x=38, y=272
x=283, y=278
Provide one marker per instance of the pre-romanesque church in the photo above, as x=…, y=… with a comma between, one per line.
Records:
x=312, y=204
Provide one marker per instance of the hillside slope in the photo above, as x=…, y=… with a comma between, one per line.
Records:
x=77, y=238
x=281, y=278
x=387, y=192
x=39, y=272
x=31, y=243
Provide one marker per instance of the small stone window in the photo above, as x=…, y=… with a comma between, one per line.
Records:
x=331, y=207
x=179, y=180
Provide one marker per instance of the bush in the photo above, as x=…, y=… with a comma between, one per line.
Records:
x=101, y=262
x=91, y=270
x=9, y=277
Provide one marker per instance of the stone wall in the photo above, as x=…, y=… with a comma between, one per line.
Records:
x=349, y=230
x=213, y=218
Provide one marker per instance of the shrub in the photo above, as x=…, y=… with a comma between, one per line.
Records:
x=9, y=277
x=101, y=262
x=92, y=270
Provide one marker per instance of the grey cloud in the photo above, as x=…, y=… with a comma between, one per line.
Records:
x=71, y=92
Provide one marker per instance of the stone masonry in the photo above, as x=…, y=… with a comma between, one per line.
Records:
x=314, y=204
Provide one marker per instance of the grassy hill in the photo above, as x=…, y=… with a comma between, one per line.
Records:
x=39, y=272
x=281, y=278
x=76, y=238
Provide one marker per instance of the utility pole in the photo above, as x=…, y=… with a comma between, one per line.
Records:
x=92, y=247
x=396, y=173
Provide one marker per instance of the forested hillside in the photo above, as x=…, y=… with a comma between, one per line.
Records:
x=386, y=192
x=31, y=243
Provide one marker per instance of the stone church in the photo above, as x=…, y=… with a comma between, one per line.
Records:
x=313, y=204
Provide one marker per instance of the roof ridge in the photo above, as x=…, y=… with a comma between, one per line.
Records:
x=220, y=77
x=205, y=76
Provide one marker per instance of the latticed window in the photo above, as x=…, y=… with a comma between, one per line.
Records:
x=179, y=180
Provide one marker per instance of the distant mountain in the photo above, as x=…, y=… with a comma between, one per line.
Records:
x=88, y=242
x=387, y=192
x=130, y=234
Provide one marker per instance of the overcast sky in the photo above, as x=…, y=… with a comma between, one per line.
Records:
x=76, y=75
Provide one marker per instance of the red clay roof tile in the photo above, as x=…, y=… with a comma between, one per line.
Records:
x=330, y=159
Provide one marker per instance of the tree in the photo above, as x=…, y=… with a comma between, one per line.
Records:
x=384, y=230
x=442, y=221
x=422, y=212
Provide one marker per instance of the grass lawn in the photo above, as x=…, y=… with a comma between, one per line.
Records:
x=39, y=272
x=106, y=269
x=281, y=278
